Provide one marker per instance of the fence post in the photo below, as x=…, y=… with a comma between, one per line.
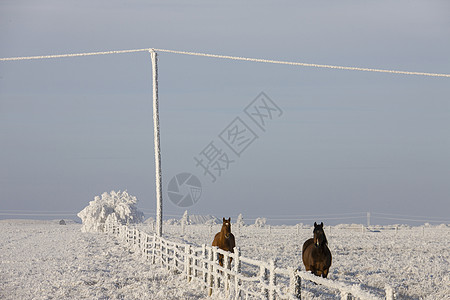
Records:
x=136, y=236
x=226, y=277
x=147, y=241
x=175, y=257
x=141, y=242
x=195, y=263
x=131, y=237
x=272, y=280
x=262, y=281
x=139, y=235
x=204, y=264
x=187, y=262
x=295, y=285
x=153, y=249
x=167, y=256
x=389, y=293
x=215, y=271
x=237, y=271
x=210, y=273
x=145, y=246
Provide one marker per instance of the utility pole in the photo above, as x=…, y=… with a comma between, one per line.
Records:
x=156, y=142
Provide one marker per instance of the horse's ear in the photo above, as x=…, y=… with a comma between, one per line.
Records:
x=321, y=224
x=223, y=219
x=315, y=224
x=229, y=219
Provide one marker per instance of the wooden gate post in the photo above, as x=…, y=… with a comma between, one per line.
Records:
x=237, y=271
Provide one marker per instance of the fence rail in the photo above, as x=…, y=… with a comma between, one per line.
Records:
x=259, y=280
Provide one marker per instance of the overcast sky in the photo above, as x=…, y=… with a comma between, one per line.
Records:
x=339, y=142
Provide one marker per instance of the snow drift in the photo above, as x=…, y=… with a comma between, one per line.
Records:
x=120, y=206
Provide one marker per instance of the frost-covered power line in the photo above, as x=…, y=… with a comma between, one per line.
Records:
x=301, y=64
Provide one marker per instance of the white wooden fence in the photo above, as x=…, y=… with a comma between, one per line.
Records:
x=258, y=280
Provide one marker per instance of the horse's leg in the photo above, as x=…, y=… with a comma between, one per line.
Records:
x=221, y=260
x=325, y=273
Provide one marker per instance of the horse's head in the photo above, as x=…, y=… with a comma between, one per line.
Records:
x=226, y=227
x=319, y=235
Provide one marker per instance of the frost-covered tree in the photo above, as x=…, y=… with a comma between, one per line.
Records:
x=240, y=221
x=260, y=222
x=185, y=219
x=115, y=206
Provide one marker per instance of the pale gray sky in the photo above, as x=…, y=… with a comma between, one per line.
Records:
x=347, y=142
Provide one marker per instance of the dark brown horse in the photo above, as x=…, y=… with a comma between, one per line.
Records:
x=225, y=240
x=315, y=254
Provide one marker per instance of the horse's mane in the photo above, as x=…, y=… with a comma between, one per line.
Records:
x=325, y=241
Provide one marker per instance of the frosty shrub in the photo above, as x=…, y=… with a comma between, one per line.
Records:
x=116, y=206
x=185, y=219
x=260, y=222
x=240, y=221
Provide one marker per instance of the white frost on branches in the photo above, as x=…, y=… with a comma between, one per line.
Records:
x=260, y=222
x=240, y=221
x=185, y=219
x=118, y=206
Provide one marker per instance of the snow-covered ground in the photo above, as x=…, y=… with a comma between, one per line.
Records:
x=43, y=260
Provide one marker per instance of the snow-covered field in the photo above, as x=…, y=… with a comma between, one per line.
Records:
x=44, y=260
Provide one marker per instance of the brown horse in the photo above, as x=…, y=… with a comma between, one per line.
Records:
x=315, y=254
x=225, y=240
